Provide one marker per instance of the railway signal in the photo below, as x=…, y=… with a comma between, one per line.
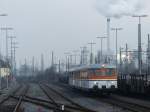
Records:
x=116, y=31
x=101, y=57
x=91, y=55
x=7, y=61
x=1, y=59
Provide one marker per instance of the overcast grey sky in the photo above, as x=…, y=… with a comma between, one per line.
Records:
x=62, y=25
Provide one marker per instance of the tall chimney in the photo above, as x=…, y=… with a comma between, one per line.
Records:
x=108, y=35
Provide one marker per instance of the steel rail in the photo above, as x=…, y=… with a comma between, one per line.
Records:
x=37, y=101
x=9, y=95
x=40, y=102
x=17, y=107
x=123, y=104
x=48, y=95
x=49, y=102
x=78, y=107
x=126, y=105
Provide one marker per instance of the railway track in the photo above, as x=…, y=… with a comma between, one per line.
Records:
x=22, y=95
x=58, y=102
x=49, y=104
x=126, y=105
x=61, y=102
x=9, y=104
x=10, y=94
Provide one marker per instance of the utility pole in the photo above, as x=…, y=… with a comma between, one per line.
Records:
x=25, y=64
x=7, y=61
x=11, y=59
x=52, y=59
x=42, y=63
x=108, y=35
x=14, y=47
x=101, y=38
x=1, y=60
x=68, y=64
x=139, y=43
x=11, y=40
x=148, y=57
x=67, y=61
x=85, y=55
x=116, y=31
x=33, y=67
x=91, y=56
x=71, y=59
x=6, y=29
x=120, y=59
x=126, y=58
x=75, y=56
x=59, y=67
x=82, y=55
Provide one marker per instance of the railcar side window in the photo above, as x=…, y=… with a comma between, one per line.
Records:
x=84, y=74
x=91, y=72
x=101, y=72
x=104, y=72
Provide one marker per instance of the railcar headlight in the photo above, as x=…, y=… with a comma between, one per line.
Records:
x=95, y=83
x=112, y=82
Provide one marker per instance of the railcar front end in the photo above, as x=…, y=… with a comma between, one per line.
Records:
x=101, y=78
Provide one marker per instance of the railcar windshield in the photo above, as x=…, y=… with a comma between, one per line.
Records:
x=111, y=71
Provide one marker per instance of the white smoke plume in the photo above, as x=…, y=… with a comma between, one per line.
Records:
x=119, y=8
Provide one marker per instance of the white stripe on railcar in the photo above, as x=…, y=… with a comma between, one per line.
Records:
x=89, y=84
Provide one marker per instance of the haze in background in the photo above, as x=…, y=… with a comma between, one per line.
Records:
x=43, y=26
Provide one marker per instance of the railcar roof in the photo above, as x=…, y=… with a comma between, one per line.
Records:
x=92, y=66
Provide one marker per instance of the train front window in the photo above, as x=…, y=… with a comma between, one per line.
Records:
x=98, y=72
x=101, y=72
x=110, y=71
x=104, y=72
